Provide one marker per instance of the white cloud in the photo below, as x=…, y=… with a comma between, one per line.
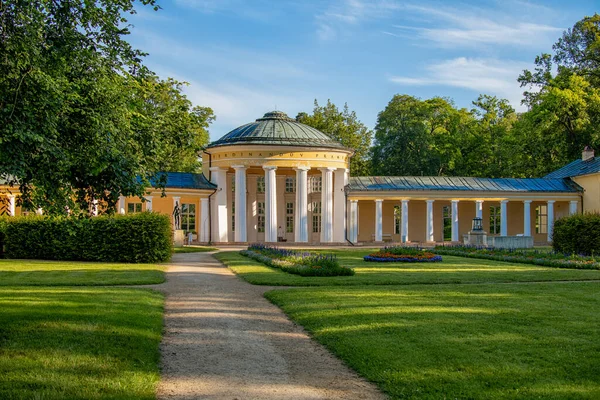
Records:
x=498, y=77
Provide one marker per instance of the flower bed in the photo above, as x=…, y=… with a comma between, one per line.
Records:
x=302, y=263
x=535, y=257
x=402, y=254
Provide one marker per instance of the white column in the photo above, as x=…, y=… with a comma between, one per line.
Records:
x=11, y=205
x=503, y=218
x=404, y=230
x=270, y=204
x=240, y=203
x=573, y=207
x=353, y=234
x=550, y=219
x=301, y=219
x=429, y=227
x=527, y=217
x=204, y=220
x=176, y=202
x=94, y=207
x=479, y=209
x=378, y=220
x=219, y=178
x=148, y=203
x=121, y=205
x=327, y=205
x=455, y=221
x=339, y=205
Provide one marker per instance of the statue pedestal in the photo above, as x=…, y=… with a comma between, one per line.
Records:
x=178, y=238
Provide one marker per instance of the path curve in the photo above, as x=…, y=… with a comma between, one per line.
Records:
x=224, y=340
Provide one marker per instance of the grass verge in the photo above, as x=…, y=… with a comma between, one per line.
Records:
x=450, y=270
x=193, y=249
x=469, y=341
x=79, y=343
x=75, y=273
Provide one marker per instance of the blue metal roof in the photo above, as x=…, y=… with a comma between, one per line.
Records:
x=454, y=183
x=186, y=180
x=576, y=168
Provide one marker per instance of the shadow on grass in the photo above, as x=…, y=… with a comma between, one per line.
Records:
x=81, y=277
x=79, y=342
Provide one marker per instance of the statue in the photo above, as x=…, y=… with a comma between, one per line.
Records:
x=177, y=216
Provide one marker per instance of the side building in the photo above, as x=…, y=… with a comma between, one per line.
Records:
x=276, y=179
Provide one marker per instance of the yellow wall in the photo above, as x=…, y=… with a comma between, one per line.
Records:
x=591, y=195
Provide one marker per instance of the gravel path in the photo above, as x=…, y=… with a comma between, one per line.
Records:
x=224, y=340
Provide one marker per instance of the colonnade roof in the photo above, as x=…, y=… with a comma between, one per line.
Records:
x=454, y=183
x=276, y=128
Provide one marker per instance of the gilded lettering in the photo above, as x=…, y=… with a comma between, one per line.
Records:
x=232, y=154
x=301, y=155
x=260, y=154
x=249, y=154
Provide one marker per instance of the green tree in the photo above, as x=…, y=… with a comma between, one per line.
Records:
x=81, y=118
x=345, y=127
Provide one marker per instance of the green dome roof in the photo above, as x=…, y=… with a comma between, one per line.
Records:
x=276, y=128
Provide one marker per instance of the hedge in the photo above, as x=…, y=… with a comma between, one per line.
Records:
x=136, y=238
x=577, y=234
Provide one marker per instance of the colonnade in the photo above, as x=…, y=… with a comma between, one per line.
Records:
x=333, y=204
x=429, y=227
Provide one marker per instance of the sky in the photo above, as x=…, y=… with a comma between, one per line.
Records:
x=244, y=58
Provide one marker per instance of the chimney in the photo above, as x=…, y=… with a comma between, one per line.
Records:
x=587, y=154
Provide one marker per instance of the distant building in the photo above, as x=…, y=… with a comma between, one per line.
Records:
x=276, y=172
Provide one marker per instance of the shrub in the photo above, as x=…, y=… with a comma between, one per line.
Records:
x=136, y=238
x=577, y=234
x=402, y=254
x=3, y=221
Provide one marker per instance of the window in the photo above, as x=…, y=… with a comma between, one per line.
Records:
x=316, y=184
x=233, y=216
x=188, y=217
x=134, y=208
x=290, y=184
x=397, y=220
x=541, y=219
x=316, y=216
x=260, y=185
x=495, y=219
x=447, y=223
x=260, y=206
x=289, y=217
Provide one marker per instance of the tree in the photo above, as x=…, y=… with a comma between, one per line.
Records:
x=81, y=118
x=344, y=127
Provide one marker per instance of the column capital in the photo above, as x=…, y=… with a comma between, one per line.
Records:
x=455, y=201
x=327, y=169
x=378, y=200
x=217, y=169
x=574, y=202
x=301, y=168
x=404, y=201
x=343, y=169
x=503, y=201
x=353, y=201
x=11, y=196
x=479, y=201
x=430, y=201
x=242, y=167
x=527, y=201
x=269, y=167
x=149, y=197
x=551, y=201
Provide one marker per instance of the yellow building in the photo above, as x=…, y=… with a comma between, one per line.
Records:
x=276, y=180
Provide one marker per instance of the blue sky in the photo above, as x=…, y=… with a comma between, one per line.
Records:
x=243, y=58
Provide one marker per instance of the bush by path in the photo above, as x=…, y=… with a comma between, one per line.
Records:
x=402, y=254
x=577, y=234
x=133, y=238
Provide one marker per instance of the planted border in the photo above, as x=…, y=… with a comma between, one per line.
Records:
x=402, y=254
x=544, y=259
x=301, y=263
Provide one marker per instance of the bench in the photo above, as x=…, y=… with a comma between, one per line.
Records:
x=386, y=237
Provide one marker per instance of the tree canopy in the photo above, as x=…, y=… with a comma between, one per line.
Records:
x=81, y=117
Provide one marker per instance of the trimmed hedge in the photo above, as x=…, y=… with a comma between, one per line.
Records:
x=577, y=234
x=136, y=238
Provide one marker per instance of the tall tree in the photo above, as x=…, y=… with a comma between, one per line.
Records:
x=345, y=127
x=81, y=118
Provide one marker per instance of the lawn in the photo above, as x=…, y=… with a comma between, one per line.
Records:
x=193, y=249
x=510, y=341
x=75, y=273
x=451, y=270
x=79, y=343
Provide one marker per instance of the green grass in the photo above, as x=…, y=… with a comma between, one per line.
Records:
x=79, y=343
x=460, y=341
x=451, y=270
x=193, y=249
x=75, y=273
